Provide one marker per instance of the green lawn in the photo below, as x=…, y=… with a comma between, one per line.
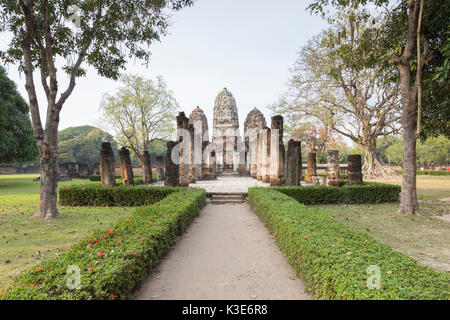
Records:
x=26, y=240
x=425, y=238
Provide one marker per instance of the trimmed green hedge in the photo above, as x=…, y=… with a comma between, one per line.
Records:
x=365, y=193
x=112, y=261
x=333, y=259
x=97, y=195
x=429, y=172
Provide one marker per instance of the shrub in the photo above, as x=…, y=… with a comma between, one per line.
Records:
x=112, y=261
x=333, y=259
x=97, y=195
x=365, y=193
x=429, y=172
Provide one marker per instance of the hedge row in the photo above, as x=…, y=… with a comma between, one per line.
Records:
x=429, y=172
x=365, y=193
x=333, y=259
x=97, y=195
x=112, y=261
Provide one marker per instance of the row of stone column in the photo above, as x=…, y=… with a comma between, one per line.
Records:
x=191, y=166
x=333, y=171
x=107, y=172
x=275, y=164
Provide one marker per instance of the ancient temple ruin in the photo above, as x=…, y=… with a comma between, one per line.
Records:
x=226, y=133
x=260, y=152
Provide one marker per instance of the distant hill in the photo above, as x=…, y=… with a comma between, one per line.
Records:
x=82, y=144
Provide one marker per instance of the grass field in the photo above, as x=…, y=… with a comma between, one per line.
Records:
x=26, y=240
x=425, y=238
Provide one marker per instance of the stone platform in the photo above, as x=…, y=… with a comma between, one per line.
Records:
x=229, y=184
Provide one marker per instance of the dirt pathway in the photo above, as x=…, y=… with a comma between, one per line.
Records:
x=227, y=253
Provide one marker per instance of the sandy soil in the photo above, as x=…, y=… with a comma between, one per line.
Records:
x=226, y=253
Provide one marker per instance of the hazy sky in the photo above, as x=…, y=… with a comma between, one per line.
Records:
x=246, y=46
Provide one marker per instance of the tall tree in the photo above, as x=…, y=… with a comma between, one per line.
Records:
x=338, y=81
x=411, y=52
x=16, y=134
x=106, y=33
x=317, y=138
x=141, y=112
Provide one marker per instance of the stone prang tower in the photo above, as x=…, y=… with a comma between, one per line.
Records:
x=225, y=130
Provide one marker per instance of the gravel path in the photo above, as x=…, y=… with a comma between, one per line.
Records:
x=226, y=253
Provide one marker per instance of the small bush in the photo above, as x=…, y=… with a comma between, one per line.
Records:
x=365, y=193
x=429, y=172
x=333, y=259
x=112, y=261
x=97, y=195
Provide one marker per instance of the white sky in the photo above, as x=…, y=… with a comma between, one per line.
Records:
x=247, y=46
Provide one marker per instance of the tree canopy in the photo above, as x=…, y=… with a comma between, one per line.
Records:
x=141, y=112
x=434, y=150
x=339, y=80
x=16, y=134
x=82, y=144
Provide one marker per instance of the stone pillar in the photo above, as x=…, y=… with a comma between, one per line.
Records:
x=311, y=167
x=213, y=166
x=192, y=165
x=197, y=154
x=242, y=164
x=159, y=168
x=259, y=154
x=266, y=155
x=205, y=161
x=293, y=163
x=126, y=169
x=277, y=152
x=172, y=169
x=83, y=170
x=147, y=168
x=253, y=150
x=107, y=173
x=236, y=155
x=182, y=125
x=354, y=169
x=333, y=168
x=219, y=144
x=183, y=137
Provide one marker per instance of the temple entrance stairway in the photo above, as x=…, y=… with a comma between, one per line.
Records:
x=228, y=184
x=227, y=198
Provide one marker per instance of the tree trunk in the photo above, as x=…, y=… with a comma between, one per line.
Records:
x=49, y=182
x=408, y=199
x=374, y=167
